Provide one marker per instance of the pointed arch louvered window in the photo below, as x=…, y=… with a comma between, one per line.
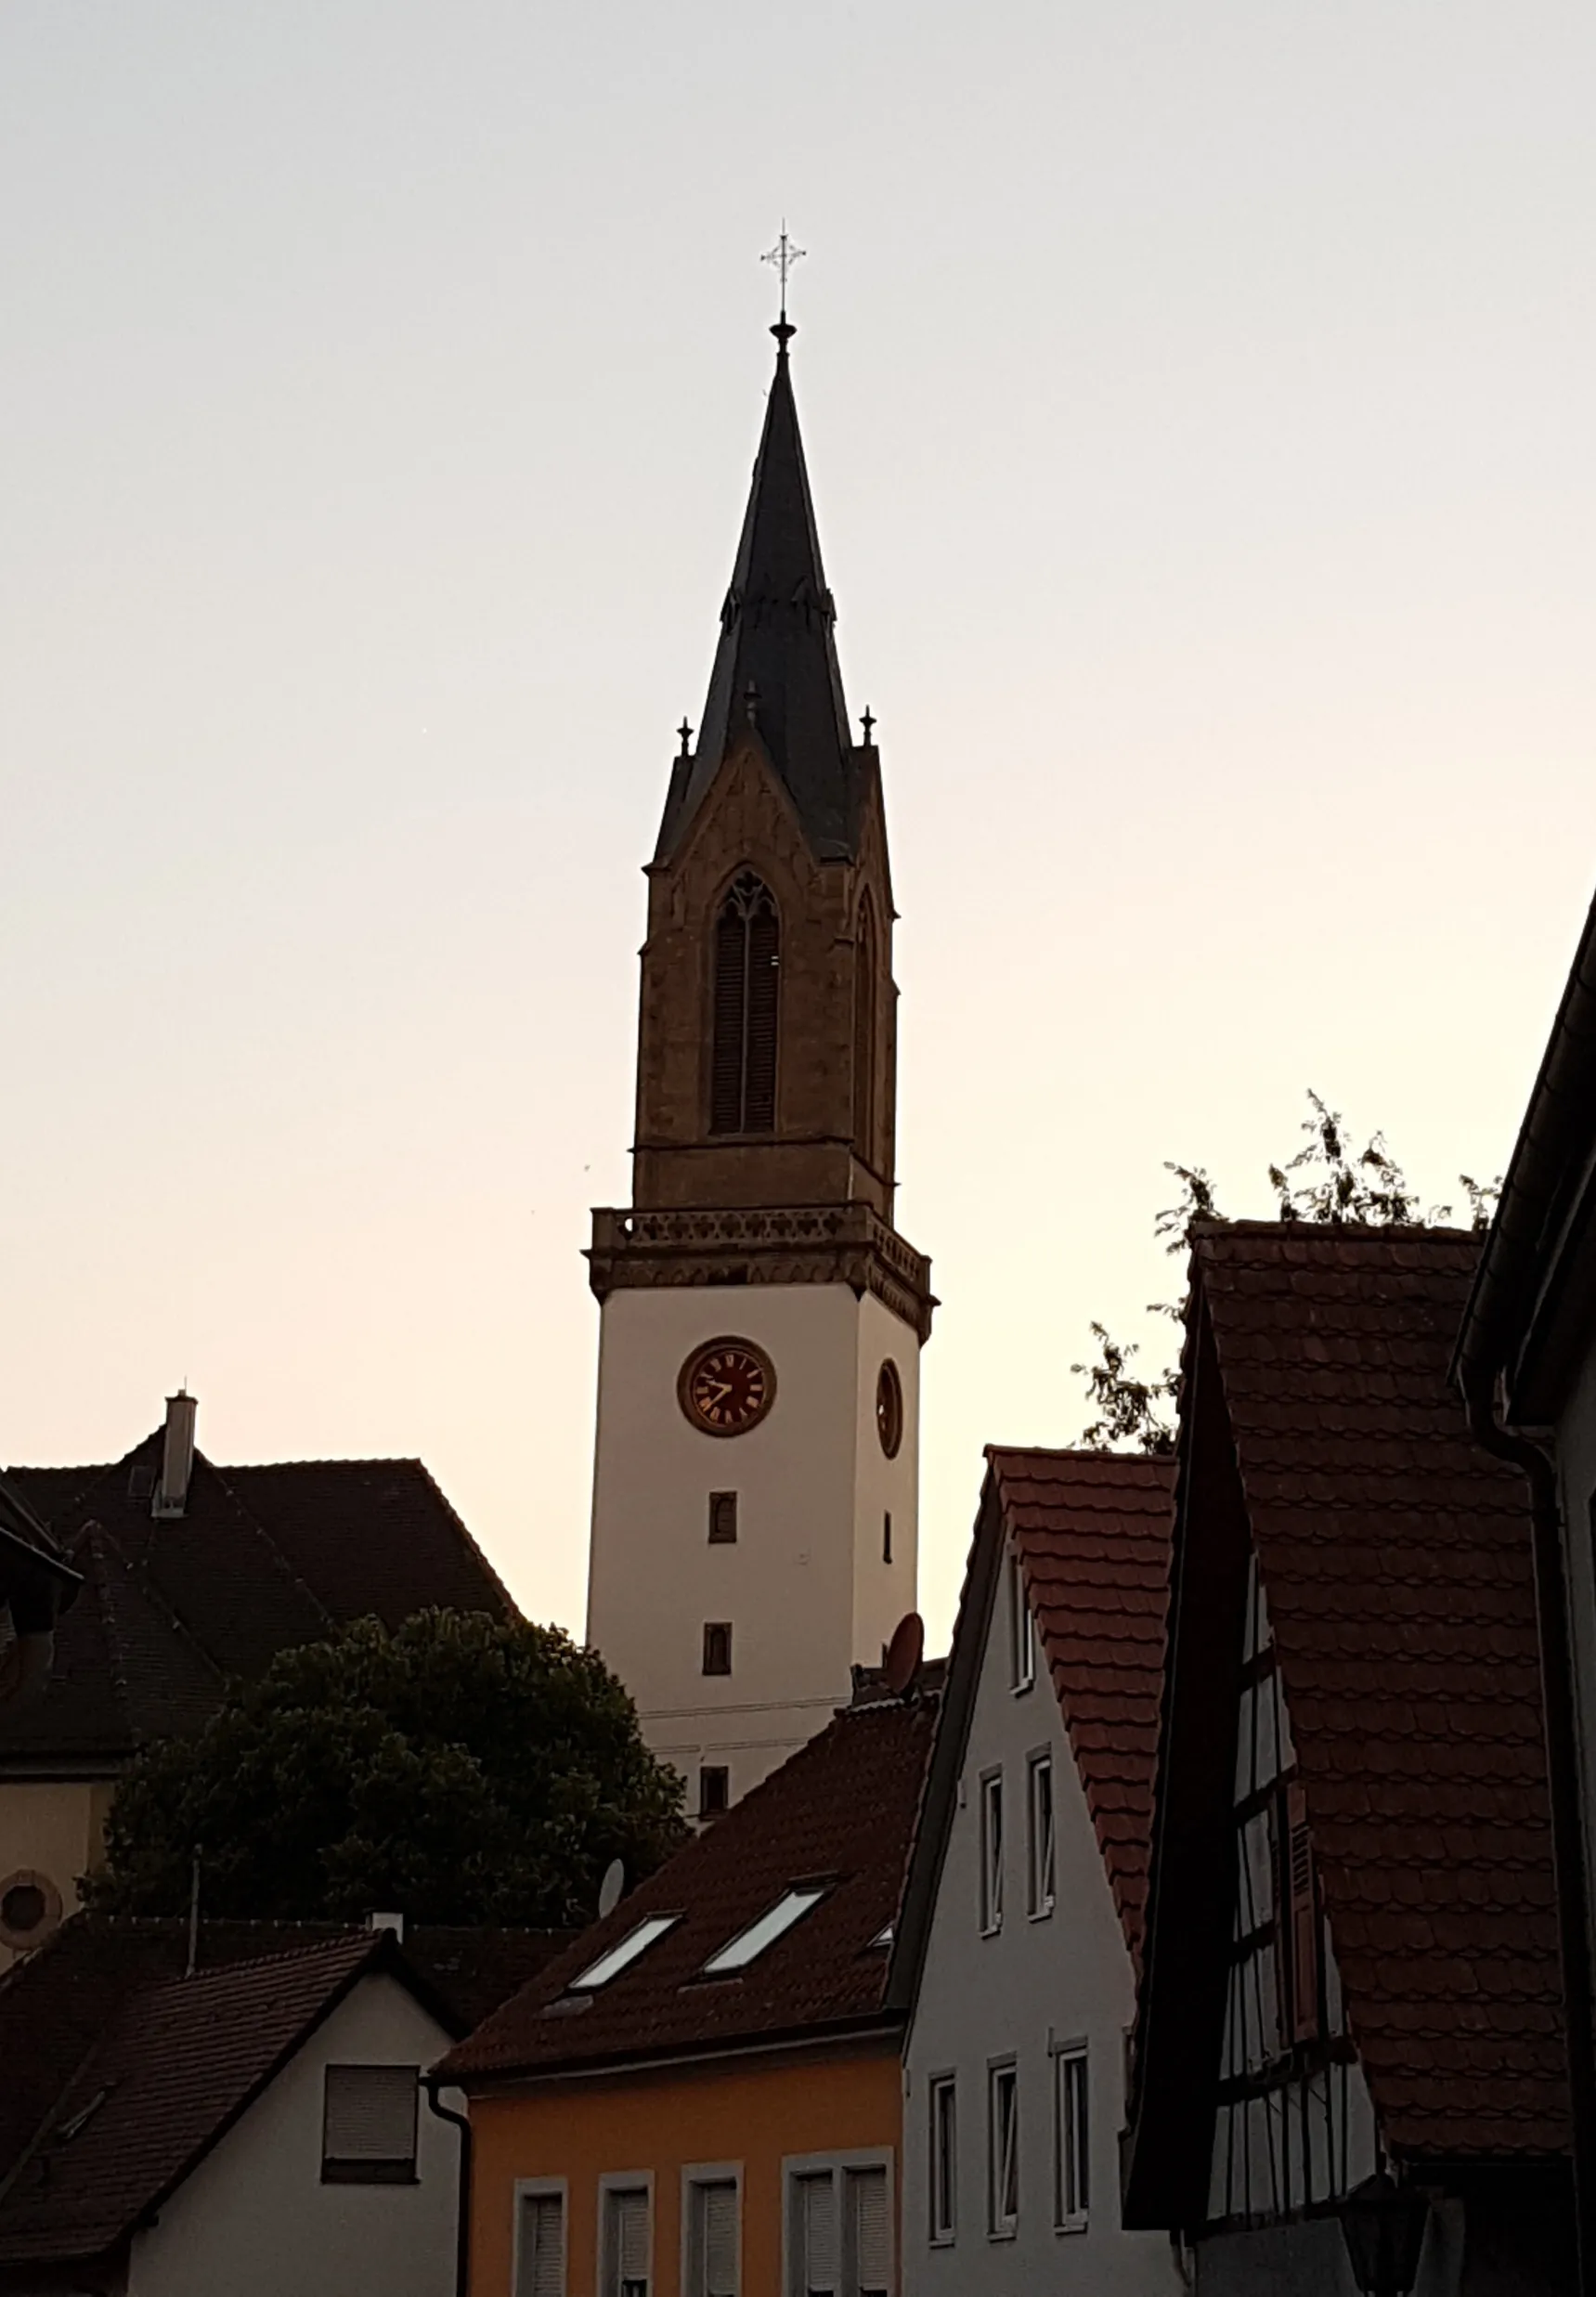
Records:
x=864, y=1050
x=747, y=976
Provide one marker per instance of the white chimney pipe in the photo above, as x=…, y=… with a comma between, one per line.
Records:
x=176, y=1456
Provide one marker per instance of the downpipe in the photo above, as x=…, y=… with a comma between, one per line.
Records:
x=432, y=2085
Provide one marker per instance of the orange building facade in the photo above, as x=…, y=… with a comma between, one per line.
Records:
x=764, y=2125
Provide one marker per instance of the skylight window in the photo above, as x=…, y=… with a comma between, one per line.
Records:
x=621, y=1957
x=750, y=1944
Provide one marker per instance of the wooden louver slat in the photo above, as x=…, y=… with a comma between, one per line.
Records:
x=745, y=1010
x=764, y=960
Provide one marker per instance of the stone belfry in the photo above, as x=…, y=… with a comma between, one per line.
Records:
x=755, y=1474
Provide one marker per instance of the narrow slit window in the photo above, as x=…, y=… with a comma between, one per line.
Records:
x=717, y=1647
x=864, y=1032
x=1021, y=1629
x=1073, y=2160
x=722, y=1519
x=945, y=2135
x=991, y=1853
x=887, y=1537
x=1040, y=1854
x=1003, y=2151
x=714, y=1790
x=743, y=1055
x=772, y=1924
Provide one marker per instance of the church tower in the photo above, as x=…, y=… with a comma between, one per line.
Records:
x=756, y=1477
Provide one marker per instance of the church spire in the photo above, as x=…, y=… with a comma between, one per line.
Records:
x=776, y=666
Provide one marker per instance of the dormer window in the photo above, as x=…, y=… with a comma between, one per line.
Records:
x=750, y=1944
x=747, y=960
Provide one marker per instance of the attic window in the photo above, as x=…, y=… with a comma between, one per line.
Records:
x=883, y=1937
x=619, y=1958
x=750, y=1944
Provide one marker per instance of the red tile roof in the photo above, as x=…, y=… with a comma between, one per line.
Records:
x=842, y=1810
x=1396, y=1563
x=261, y=1560
x=1092, y=1530
x=104, y=2006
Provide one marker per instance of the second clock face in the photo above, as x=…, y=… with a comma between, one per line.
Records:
x=727, y=1386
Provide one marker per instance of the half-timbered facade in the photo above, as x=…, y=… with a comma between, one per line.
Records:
x=1351, y=1955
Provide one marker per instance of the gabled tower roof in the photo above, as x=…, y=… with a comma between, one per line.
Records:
x=775, y=666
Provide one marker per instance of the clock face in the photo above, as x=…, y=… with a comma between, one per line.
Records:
x=727, y=1386
x=889, y=1408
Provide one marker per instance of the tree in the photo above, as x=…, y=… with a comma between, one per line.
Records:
x=1324, y=1182
x=459, y=1768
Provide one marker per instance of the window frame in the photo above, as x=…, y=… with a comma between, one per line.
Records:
x=796, y=1902
x=942, y=2222
x=723, y=1516
x=1002, y=2225
x=1021, y=1631
x=371, y=2169
x=539, y=2189
x=1041, y=1887
x=612, y=2183
x=712, y=1649
x=706, y=1770
x=695, y=2177
x=991, y=1850
x=1071, y=2137
x=796, y=2165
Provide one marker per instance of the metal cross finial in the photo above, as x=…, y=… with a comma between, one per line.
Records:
x=685, y=731
x=868, y=722
x=784, y=255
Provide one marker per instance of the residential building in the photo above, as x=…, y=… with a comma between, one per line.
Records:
x=191, y=1574
x=702, y=2098
x=756, y=1478
x=37, y=1585
x=256, y=2124
x=1022, y=1918
x=1350, y=1956
x=1525, y=1363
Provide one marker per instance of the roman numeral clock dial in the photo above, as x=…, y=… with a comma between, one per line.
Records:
x=727, y=1386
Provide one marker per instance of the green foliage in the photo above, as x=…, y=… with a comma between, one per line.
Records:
x=462, y=1769
x=1324, y=1182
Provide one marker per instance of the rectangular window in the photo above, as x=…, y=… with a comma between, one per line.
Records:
x=714, y=1790
x=840, y=2231
x=369, y=2125
x=1071, y=2181
x=870, y=2237
x=944, y=2138
x=714, y=2243
x=722, y=1519
x=1003, y=2150
x=772, y=1924
x=541, y=2245
x=887, y=1537
x=623, y=2266
x=717, y=1647
x=816, y=2246
x=1021, y=1631
x=1039, y=1835
x=991, y=1853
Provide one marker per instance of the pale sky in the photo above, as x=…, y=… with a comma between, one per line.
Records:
x=1198, y=399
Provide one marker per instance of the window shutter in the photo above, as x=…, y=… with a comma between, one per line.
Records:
x=1304, y=1916
x=370, y=2114
x=818, y=2231
x=764, y=959
x=731, y=991
x=628, y=2222
x=542, y=2270
x=872, y=2243
x=719, y=2204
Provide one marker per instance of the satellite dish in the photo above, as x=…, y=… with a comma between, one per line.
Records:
x=904, y=1652
x=611, y=1888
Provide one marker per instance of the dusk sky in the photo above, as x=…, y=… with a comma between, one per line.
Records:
x=1198, y=400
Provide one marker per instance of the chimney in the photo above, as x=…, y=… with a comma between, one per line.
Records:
x=176, y=1456
x=387, y=1922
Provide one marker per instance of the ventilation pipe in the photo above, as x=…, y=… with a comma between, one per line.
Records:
x=176, y=1456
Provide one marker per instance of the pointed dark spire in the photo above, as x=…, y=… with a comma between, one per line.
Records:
x=775, y=666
